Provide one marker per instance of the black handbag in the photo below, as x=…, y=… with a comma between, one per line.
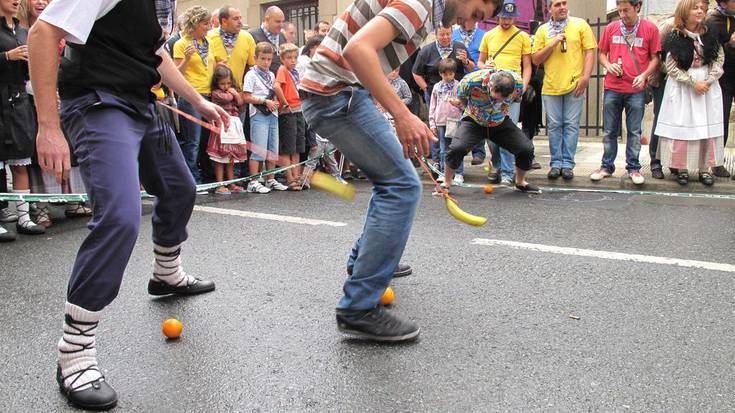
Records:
x=18, y=125
x=262, y=108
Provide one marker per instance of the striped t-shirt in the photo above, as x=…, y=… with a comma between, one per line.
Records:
x=328, y=72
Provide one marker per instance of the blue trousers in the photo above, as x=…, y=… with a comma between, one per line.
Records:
x=354, y=125
x=118, y=148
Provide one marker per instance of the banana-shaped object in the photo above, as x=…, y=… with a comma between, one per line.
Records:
x=327, y=183
x=457, y=213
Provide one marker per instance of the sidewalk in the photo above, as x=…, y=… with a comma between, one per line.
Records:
x=589, y=154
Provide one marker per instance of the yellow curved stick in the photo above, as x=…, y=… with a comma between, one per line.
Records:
x=470, y=219
x=327, y=183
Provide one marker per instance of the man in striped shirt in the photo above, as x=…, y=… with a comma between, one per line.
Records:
x=370, y=39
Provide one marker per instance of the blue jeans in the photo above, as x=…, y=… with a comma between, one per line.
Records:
x=444, y=145
x=562, y=121
x=264, y=136
x=354, y=125
x=190, y=137
x=634, y=105
x=501, y=158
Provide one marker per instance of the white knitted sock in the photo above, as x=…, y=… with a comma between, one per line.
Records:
x=77, y=352
x=167, y=266
x=24, y=216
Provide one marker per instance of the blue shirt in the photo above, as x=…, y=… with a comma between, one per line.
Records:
x=474, y=47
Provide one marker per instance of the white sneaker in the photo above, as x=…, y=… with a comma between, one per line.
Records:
x=275, y=185
x=458, y=179
x=599, y=174
x=506, y=182
x=440, y=178
x=256, y=187
x=637, y=178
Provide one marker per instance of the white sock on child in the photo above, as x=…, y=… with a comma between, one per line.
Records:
x=77, y=352
x=23, y=207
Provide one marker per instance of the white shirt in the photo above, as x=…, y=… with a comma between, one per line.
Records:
x=76, y=17
x=255, y=86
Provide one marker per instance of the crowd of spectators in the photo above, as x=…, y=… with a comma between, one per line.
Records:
x=686, y=66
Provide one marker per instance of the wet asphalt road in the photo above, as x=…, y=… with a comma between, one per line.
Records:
x=496, y=328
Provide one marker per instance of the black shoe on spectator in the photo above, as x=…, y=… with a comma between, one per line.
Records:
x=477, y=160
x=567, y=173
x=361, y=175
x=657, y=174
x=347, y=175
x=494, y=177
x=554, y=173
x=6, y=236
x=401, y=270
x=529, y=189
x=682, y=177
x=377, y=324
x=706, y=178
x=720, y=171
x=6, y=216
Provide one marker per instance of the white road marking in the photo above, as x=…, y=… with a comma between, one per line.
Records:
x=608, y=255
x=271, y=217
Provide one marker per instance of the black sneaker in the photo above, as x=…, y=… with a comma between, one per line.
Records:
x=377, y=324
x=554, y=173
x=493, y=177
x=720, y=171
x=657, y=174
x=7, y=236
x=567, y=173
x=401, y=270
x=528, y=188
x=7, y=217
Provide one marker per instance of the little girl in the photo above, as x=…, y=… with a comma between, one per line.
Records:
x=443, y=109
x=225, y=95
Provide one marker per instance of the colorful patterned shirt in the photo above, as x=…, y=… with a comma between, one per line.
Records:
x=481, y=107
x=328, y=72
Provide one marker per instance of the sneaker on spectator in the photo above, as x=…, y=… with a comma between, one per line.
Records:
x=256, y=187
x=440, y=178
x=341, y=180
x=636, y=177
x=275, y=185
x=6, y=216
x=599, y=174
x=458, y=179
x=506, y=182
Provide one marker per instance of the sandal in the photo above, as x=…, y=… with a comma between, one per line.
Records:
x=682, y=177
x=294, y=185
x=222, y=190
x=706, y=178
x=236, y=189
x=41, y=216
x=76, y=210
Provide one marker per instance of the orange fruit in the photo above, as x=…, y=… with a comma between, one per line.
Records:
x=387, y=297
x=172, y=328
x=488, y=189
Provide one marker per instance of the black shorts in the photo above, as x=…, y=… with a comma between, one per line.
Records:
x=291, y=133
x=506, y=135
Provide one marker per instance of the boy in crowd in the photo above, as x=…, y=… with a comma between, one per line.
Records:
x=259, y=90
x=291, y=124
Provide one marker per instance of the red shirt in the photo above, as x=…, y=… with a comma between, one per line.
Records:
x=288, y=85
x=647, y=43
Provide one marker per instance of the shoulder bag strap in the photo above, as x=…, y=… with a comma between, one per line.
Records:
x=507, y=42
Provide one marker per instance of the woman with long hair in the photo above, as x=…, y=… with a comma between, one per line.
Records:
x=690, y=124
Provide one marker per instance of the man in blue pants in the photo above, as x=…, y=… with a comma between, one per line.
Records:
x=113, y=57
x=370, y=39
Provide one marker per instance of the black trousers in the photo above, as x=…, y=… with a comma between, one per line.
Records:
x=506, y=135
x=727, y=84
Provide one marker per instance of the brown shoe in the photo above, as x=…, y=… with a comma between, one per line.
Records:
x=720, y=171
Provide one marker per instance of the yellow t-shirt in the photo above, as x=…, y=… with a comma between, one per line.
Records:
x=196, y=73
x=563, y=70
x=242, y=55
x=511, y=57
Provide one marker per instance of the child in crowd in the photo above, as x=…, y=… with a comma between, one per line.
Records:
x=226, y=96
x=325, y=149
x=444, y=109
x=291, y=124
x=259, y=88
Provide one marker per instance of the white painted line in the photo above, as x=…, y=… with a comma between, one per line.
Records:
x=608, y=255
x=271, y=217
